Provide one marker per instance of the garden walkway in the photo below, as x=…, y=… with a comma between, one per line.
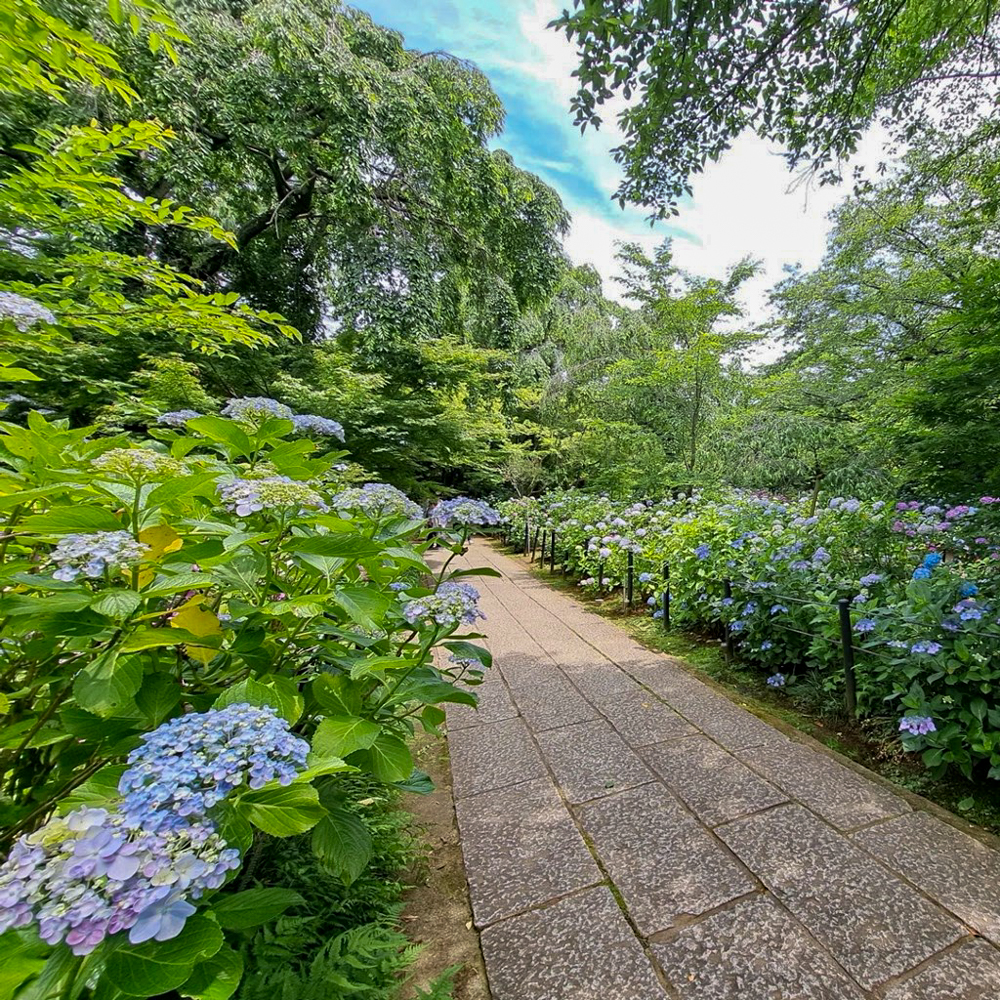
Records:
x=630, y=833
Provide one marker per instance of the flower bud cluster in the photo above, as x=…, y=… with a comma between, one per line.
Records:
x=306, y=423
x=376, y=500
x=177, y=418
x=253, y=409
x=249, y=496
x=138, y=464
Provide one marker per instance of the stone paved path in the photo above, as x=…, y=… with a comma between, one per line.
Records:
x=631, y=834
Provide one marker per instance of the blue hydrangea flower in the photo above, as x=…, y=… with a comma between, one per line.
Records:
x=645, y=577
x=253, y=409
x=463, y=511
x=376, y=500
x=93, y=553
x=658, y=614
x=932, y=559
x=871, y=579
x=703, y=551
x=922, y=573
x=917, y=725
x=737, y=626
x=449, y=605
x=177, y=418
x=191, y=763
x=865, y=625
x=776, y=680
x=968, y=589
x=926, y=646
x=309, y=423
x=777, y=609
x=766, y=645
x=969, y=610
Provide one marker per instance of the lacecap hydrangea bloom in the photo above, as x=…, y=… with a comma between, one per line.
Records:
x=93, y=553
x=137, y=463
x=191, y=763
x=93, y=873
x=376, y=500
x=309, y=423
x=249, y=496
x=917, y=725
x=177, y=418
x=23, y=311
x=253, y=409
x=463, y=511
x=449, y=605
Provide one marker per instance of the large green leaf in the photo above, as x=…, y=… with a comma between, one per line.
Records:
x=108, y=683
x=388, y=758
x=223, y=431
x=117, y=604
x=155, y=967
x=98, y=790
x=282, y=812
x=343, y=735
x=336, y=695
x=342, y=842
x=217, y=978
x=279, y=693
x=61, y=520
x=364, y=605
x=158, y=696
x=237, y=911
x=340, y=546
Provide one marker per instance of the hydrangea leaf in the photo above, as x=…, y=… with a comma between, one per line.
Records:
x=198, y=620
x=344, y=735
x=98, y=790
x=389, y=759
x=223, y=431
x=342, y=842
x=282, y=812
x=279, y=693
x=156, y=967
x=158, y=696
x=117, y=604
x=62, y=520
x=217, y=978
x=108, y=683
x=252, y=907
x=363, y=605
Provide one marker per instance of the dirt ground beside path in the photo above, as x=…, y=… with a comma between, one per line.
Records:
x=437, y=913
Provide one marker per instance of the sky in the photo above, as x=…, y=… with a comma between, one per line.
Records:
x=745, y=205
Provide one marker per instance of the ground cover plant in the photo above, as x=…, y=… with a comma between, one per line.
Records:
x=921, y=580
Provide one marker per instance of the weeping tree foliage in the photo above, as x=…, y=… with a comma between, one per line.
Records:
x=809, y=74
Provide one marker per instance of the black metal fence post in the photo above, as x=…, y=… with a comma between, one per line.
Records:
x=534, y=544
x=666, y=596
x=552, y=553
x=527, y=529
x=541, y=555
x=846, y=641
x=727, y=591
x=630, y=581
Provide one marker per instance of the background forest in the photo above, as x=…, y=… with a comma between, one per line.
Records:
x=416, y=289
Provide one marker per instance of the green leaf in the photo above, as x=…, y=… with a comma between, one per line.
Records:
x=335, y=694
x=217, y=978
x=108, y=683
x=98, y=790
x=282, y=812
x=339, y=546
x=173, y=489
x=418, y=783
x=117, y=604
x=61, y=520
x=343, y=735
x=342, y=842
x=364, y=605
x=279, y=693
x=223, y=431
x=151, y=638
x=388, y=758
x=237, y=911
x=158, y=696
x=22, y=955
x=155, y=967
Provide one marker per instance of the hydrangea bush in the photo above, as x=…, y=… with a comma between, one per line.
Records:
x=201, y=636
x=921, y=578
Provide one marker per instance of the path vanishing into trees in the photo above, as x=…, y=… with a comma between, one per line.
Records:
x=630, y=833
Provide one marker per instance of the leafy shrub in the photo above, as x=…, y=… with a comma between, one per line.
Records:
x=921, y=579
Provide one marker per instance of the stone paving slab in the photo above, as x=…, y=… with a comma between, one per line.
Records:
x=961, y=873
x=754, y=951
x=488, y=757
x=663, y=862
x=494, y=705
x=970, y=972
x=715, y=786
x=840, y=795
x=591, y=759
x=521, y=849
x=578, y=949
x=874, y=924
x=642, y=719
x=746, y=865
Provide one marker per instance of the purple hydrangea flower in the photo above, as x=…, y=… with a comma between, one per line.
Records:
x=926, y=646
x=177, y=418
x=917, y=725
x=253, y=409
x=776, y=680
x=645, y=577
x=703, y=550
x=865, y=625
x=249, y=496
x=871, y=579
